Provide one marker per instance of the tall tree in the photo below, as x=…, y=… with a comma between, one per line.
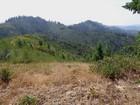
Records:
x=99, y=54
x=107, y=50
x=134, y=6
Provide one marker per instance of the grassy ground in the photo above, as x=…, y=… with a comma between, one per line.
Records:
x=65, y=84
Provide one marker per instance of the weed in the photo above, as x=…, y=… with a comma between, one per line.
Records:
x=93, y=93
x=5, y=75
x=75, y=71
x=69, y=66
x=28, y=100
x=137, y=81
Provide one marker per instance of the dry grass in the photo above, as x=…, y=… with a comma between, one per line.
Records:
x=59, y=80
x=38, y=74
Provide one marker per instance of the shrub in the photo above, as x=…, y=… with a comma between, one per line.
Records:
x=114, y=67
x=107, y=50
x=3, y=54
x=5, y=75
x=19, y=43
x=28, y=100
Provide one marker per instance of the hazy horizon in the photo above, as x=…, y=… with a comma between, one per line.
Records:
x=71, y=12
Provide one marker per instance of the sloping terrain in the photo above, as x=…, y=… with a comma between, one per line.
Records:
x=40, y=48
x=66, y=84
x=87, y=33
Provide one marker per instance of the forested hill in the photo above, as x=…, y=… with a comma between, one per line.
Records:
x=90, y=26
x=88, y=32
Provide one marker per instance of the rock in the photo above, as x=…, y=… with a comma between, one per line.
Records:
x=71, y=93
x=121, y=88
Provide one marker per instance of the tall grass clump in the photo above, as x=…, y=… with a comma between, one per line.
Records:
x=5, y=75
x=28, y=100
x=114, y=67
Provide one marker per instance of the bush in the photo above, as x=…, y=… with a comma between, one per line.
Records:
x=27, y=100
x=114, y=67
x=5, y=75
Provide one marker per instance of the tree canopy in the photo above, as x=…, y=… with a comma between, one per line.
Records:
x=99, y=54
x=133, y=6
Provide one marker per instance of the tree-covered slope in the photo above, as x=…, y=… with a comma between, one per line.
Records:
x=35, y=48
x=87, y=33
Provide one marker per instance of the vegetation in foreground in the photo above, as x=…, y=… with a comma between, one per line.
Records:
x=108, y=76
x=53, y=83
x=5, y=75
x=117, y=66
x=28, y=100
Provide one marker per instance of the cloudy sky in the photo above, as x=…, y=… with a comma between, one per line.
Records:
x=109, y=12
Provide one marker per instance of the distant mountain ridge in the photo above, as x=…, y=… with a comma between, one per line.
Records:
x=88, y=32
x=24, y=25
x=90, y=26
x=130, y=27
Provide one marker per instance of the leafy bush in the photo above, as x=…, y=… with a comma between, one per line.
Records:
x=5, y=75
x=27, y=100
x=115, y=67
x=3, y=54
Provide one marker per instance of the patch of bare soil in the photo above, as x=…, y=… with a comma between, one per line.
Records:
x=68, y=84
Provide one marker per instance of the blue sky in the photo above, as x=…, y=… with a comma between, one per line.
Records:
x=109, y=12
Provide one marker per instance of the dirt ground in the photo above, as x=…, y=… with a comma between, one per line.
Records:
x=66, y=84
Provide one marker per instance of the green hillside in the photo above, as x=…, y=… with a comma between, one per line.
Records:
x=32, y=48
x=86, y=33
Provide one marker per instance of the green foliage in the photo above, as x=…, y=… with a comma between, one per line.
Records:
x=99, y=54
x=107, y=51
x=5, y=75
x=137, y=40
x=39, y=48
x=19, y=43
x=137, y=81
x=80, y=40
x=134, y=6
x=86, y=33
x=114, y=67
x=27, y=100
x=132, y=50
x=3, y=54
